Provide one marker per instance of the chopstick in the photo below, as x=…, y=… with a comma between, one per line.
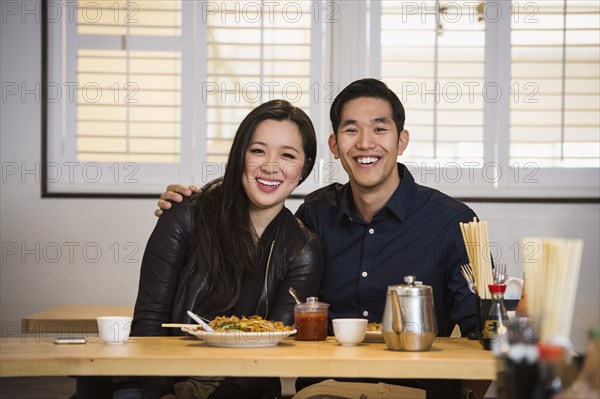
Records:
x=475, y=236
x=552, y=267
x=179, y=325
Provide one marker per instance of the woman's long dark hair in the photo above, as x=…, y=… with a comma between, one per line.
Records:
x=226, y=245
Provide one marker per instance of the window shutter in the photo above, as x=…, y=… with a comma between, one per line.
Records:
x=555, y=83
x=432, y=56
x=257, y=51
x=129, y=75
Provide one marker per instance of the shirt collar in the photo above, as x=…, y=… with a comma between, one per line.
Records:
x=398, y=203
x=345, y=208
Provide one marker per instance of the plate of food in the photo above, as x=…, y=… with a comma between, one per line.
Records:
x=245, y=332
x=374, y=333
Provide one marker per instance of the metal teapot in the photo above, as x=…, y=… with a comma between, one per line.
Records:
x=409, y=316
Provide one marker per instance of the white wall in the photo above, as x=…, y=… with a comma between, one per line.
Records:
x=35, y=227
x=28, y=284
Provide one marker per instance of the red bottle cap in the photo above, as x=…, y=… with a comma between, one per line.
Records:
x=551, y=352
x=497, y=288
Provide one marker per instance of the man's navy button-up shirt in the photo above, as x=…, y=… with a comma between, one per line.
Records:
x=416, y=233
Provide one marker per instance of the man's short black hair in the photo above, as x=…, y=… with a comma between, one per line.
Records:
x=370, y=88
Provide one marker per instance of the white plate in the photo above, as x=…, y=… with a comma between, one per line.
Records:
x=240, y=339
x=373, y=336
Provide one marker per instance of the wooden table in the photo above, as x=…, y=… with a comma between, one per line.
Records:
x=449, y=358
x=69, y=319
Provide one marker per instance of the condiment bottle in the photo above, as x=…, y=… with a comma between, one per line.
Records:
x=550, y=365
x=587, y=384
x=310, y=319
x=497, y=319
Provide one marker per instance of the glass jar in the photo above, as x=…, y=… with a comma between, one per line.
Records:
x=310, y=319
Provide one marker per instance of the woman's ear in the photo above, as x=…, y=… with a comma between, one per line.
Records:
x=333, y=145
x=403, y=138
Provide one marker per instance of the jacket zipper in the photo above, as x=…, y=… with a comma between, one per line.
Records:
x=265, y=286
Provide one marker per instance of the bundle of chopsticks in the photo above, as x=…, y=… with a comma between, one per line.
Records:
x=475, y=235
x=551, y=267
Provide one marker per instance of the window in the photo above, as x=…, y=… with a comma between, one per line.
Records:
x=250, y=62
x=129, y=88
x=159, y=87
x=555, y=79
x=433, y=56
x=501, y=97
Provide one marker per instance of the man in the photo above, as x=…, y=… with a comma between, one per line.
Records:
x=382, y=226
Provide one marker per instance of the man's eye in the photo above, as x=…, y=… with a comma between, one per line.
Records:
x=350, y=130
x=381, y=129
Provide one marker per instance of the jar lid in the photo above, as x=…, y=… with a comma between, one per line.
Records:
x=312, y=304
x=411, y=288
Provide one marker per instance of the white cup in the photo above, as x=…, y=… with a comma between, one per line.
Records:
x=350, y=332
x=514, y=288
x=114, y=329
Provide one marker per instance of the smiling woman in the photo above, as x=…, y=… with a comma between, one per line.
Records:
x=233, y=249
x=272, y=169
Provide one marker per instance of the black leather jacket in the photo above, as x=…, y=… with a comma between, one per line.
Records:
x=170, y=284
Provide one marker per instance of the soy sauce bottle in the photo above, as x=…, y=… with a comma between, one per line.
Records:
x=497, y=320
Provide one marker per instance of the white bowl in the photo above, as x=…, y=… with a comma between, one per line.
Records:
x=350, y=332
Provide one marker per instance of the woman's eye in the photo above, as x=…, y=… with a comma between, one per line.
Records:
x=289, y=156
x=256, y=151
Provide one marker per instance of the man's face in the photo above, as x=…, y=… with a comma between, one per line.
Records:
x=368, y=144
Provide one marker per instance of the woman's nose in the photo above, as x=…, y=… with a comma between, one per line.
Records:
x=269, y=166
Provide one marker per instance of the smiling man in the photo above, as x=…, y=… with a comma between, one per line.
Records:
x=382, y=225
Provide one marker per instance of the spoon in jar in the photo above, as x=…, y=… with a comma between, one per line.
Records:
x=293, y=292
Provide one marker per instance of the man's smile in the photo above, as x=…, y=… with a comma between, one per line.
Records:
x=366, y=160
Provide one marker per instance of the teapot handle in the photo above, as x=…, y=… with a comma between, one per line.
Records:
x=397, y=315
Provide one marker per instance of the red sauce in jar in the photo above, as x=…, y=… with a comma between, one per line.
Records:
x=311, y=326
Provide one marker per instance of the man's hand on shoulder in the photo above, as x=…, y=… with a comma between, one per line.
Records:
x=173, y=193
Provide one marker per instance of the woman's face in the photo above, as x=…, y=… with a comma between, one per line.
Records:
x=273, y=164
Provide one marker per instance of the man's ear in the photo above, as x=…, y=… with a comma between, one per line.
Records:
x=403, y=141
x=333, y=145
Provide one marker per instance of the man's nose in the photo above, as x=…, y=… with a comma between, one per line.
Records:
x=365, y=139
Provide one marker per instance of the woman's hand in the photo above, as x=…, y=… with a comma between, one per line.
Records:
x=174, y=192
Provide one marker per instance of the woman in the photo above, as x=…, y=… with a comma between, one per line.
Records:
x=233, y=248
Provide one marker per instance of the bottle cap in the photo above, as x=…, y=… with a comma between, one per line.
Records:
x=497, y=288
x=551, y=352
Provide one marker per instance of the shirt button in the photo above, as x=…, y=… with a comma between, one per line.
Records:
x=365, y=313
x=364, y=274
x=371, y=231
